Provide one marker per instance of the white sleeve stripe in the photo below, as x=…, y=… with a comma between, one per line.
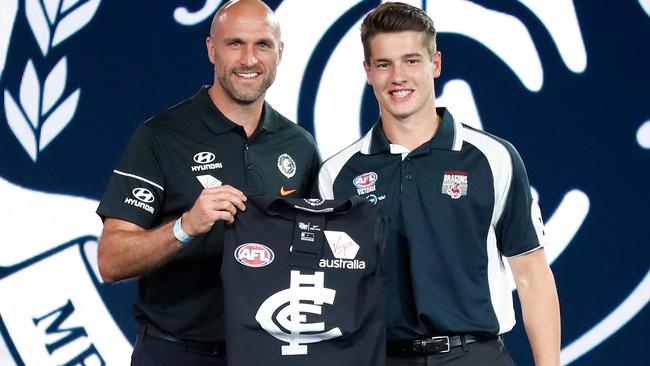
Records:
x=140, y=178
x=541, y=246
x=500, y=163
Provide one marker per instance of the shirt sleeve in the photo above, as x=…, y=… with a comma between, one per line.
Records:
x=520, y=228
x=135, y=191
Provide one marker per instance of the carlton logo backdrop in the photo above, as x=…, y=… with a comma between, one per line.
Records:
x=565, y=81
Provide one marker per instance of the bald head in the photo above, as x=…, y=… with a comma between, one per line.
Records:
x=234, y=10
x=245, y=47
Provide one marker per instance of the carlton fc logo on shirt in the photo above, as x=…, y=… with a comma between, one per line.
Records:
x=205, y=160
x=143, y=196
x=344, y=249
x=287, y=165
x=283, y=314
x=365, y=182
x=254, y=255
x=455, y=183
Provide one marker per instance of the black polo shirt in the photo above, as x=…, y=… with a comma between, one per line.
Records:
x=303, y=283
x=459, y=203
x=166, y=165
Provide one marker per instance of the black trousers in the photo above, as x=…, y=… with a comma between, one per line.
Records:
x=488, y=353
x=151, y=351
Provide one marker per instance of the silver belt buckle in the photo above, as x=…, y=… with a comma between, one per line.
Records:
x=433, y=339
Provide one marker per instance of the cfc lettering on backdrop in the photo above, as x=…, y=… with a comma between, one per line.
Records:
x=65, y=336
x=52, y=311
x=303, y=288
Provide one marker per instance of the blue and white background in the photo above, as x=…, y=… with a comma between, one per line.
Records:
x=567, y=82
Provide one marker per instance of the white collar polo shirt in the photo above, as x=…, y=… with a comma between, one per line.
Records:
x=170, y=159
x=457, y=205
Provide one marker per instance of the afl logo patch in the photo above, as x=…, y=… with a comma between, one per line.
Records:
x=286, y=165
x=365, y=180
x=254, y=255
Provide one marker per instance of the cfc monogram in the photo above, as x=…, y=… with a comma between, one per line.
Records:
x=303, y=288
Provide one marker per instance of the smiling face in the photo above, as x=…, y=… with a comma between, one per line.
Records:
x=245, y=48
x=401, y=72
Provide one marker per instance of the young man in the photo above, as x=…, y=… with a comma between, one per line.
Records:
x=459, y=202
x=185, y=173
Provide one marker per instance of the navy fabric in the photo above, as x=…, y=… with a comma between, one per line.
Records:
x=168, y=156
x=327, y=307
x=457, y=205
x=151, y=351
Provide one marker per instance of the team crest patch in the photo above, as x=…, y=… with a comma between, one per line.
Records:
x=365, y=182
x=286, y=165
x=455, y=184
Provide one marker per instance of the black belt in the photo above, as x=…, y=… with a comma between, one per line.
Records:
x=429, y=346
x=216, y=348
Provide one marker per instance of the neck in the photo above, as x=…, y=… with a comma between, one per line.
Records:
x=412, y=131
x=247, y=115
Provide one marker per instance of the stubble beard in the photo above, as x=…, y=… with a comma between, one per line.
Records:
x=225, y=79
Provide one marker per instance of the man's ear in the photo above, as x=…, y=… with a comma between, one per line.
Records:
x=210, y=48
x=368, y=73
x=437, y=64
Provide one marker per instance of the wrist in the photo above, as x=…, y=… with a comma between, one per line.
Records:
x=179, y=233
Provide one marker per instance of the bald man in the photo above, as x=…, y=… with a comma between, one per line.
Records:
x=185, y=174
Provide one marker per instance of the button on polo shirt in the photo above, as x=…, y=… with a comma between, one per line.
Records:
x=458, y=204
x=166, y=165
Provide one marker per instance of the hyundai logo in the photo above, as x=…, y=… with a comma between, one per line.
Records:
x=204, y=157
x=143, y=195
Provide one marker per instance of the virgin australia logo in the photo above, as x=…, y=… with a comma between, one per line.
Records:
x=41, y=111
x=344, y=249
x=306, y=294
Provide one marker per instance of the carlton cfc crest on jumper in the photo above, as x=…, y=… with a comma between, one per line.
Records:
x=287, y=165
x=455, y=183
x=319, y=301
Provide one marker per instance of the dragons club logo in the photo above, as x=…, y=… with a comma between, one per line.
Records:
x=546, y=56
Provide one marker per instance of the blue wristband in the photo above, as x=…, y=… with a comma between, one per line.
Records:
x=180, y=234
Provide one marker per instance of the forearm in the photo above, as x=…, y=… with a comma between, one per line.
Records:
x=126, y=253
x=541, y=314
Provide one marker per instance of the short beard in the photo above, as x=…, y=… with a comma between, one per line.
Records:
x=242, y=97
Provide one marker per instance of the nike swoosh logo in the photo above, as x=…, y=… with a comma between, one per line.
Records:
x=287, y=192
